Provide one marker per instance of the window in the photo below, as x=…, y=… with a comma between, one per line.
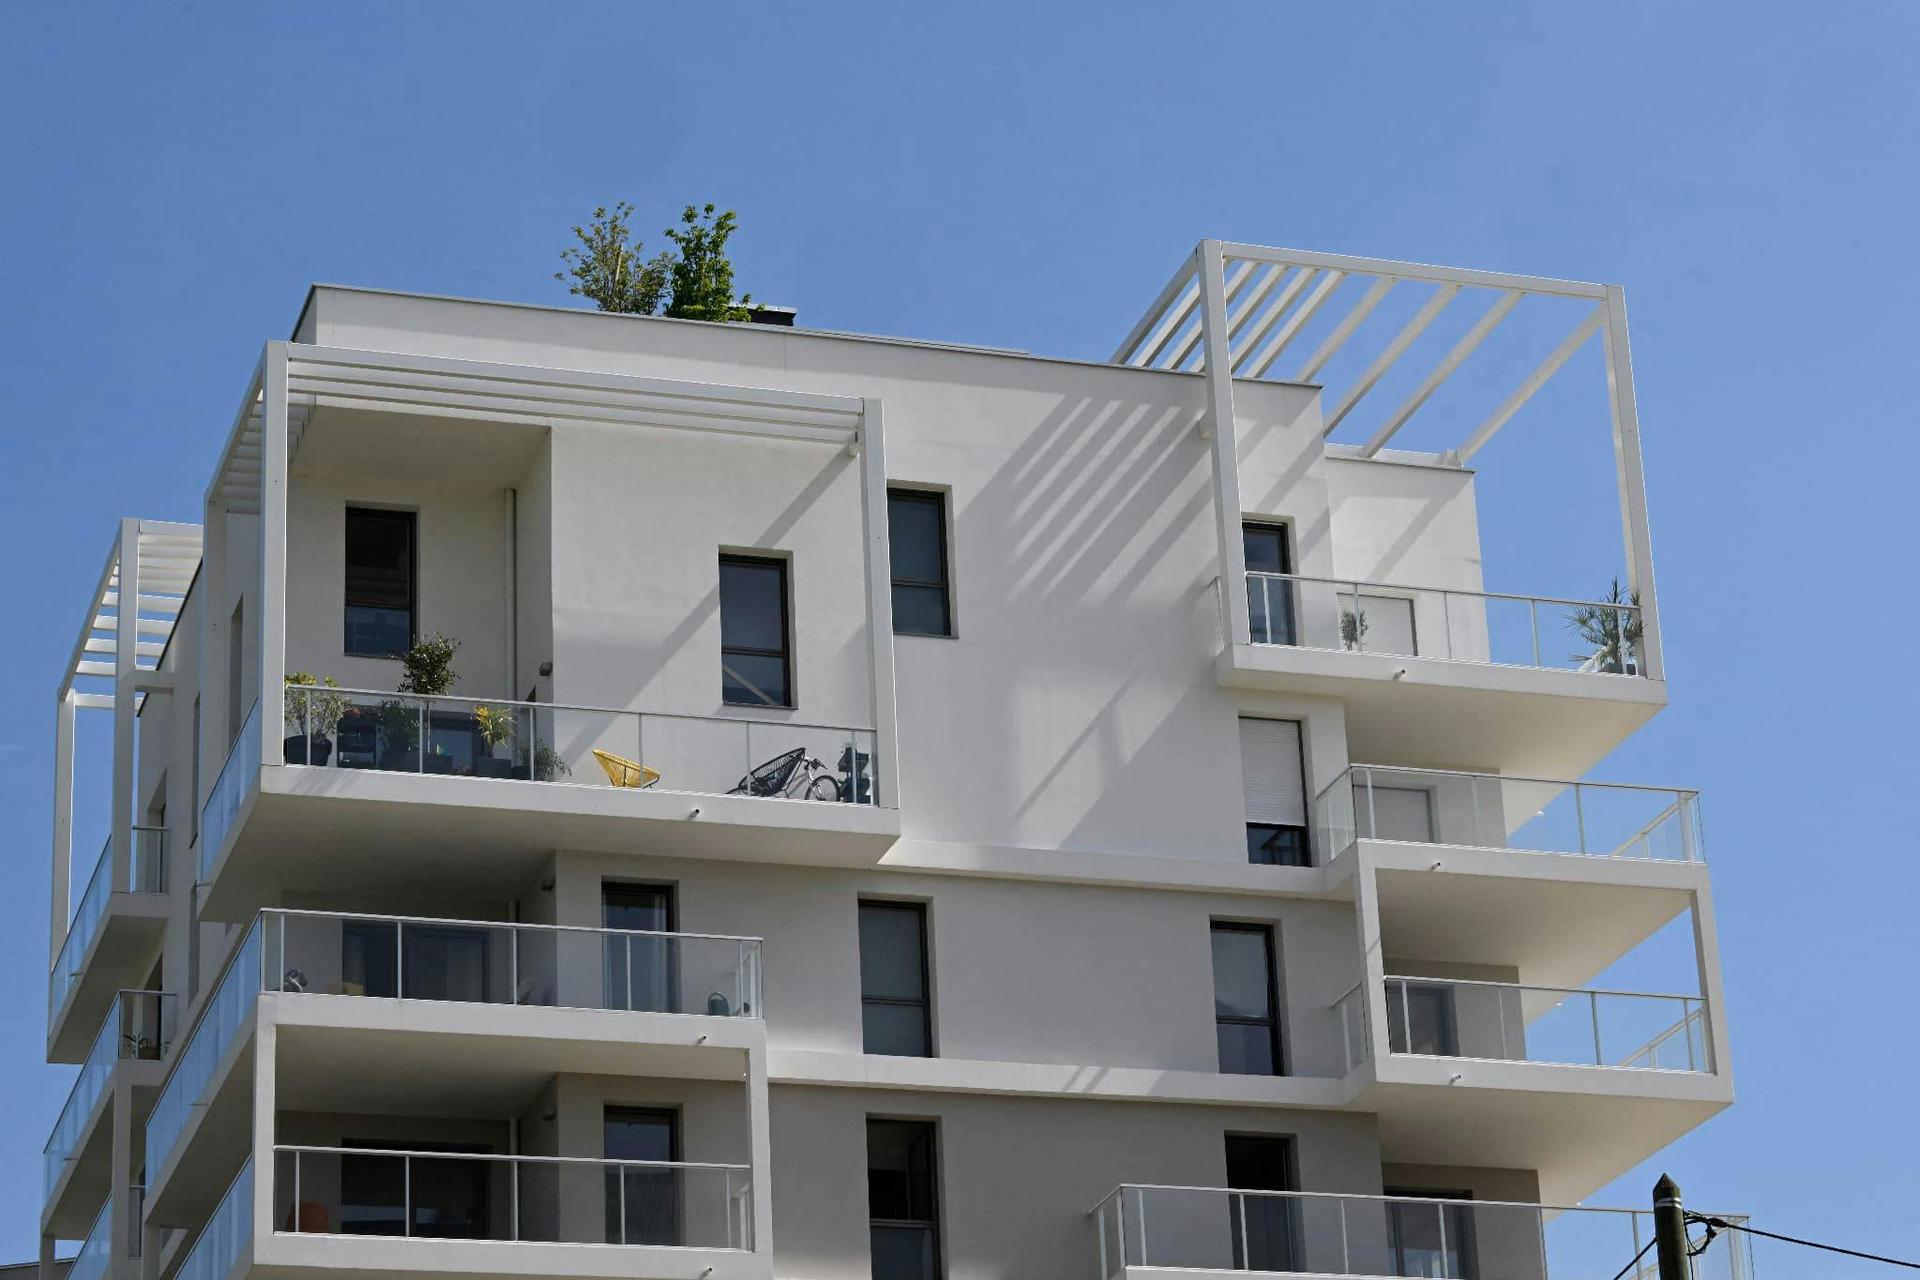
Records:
x=917, y=542
x=1420, y=1018
x=1245, y=1000
x=1269, y=599
x=194, y=801
x=1393, y=813
x=894, y=1009
x=754, y=666
x=902, y=1200
x=1273, y=779
x=1431, y=1237
x=380, y=582
x=391, y=1195
x=641, y=968
x=236, y=671
x=1264, y=1227
x=419, y=962
x=643, y=1204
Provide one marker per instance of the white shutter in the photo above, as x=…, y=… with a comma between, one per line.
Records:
x=1271, y=772
x=1389, y=625
x=1394, y=813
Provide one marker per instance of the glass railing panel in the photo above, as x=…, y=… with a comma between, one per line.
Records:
x=505, y=963
x=96, y=1252
x=227, y=1234
x=92, y=909
x=238, y=776
x=139, y=1024
x=1303, y=1233
x=226, y=1011
x=1432, y=622
x=1436, y=806
x=1350, y=1014
x=539, y=742
x=537, y=1199
x=1449, y=1018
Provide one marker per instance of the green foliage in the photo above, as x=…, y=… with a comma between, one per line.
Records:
x=497, y=725
x=428, y=666
x=694, y=284
x=311, y=711
x=702, y=277
x=1611, y=626
x=609, y=270
x=1353, y=627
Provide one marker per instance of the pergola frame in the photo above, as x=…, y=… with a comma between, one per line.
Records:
x=1232, y=310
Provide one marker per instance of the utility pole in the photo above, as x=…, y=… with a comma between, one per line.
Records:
x=1670, y=1230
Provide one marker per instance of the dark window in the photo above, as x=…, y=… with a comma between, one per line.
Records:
x=393, y=1195
x=380, y=582
x=1245, y=1002
x=1269, y=600
x=419, y=962
x=1273, y=779
x=917, y=541
x=193, y=809
x=1265, y=1227
x=894, y=1010
x=754, y=667
x=641, y=969
x=644, y=1204
x=902, y=1200
x=1420, y=1019
x=1272, y=845
x=1431, y=1237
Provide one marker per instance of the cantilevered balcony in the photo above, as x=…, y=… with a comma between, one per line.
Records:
x=1172, y=1233
x=110, y=942
x=76, y=1168
x=507, y=1002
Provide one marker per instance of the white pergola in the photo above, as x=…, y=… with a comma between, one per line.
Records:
x=1234, y=311
x=129, y=621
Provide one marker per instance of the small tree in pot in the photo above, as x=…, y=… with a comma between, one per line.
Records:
x=311, y=718
x=1610, y=628
x=405, y=725
x=499, y=728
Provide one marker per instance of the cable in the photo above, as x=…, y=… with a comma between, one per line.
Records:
x=1634, y=1261
x=1723, y=1225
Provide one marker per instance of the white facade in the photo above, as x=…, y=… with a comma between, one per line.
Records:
x=398, y=945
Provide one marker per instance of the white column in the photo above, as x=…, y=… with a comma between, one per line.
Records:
x=879, y=569
x=1632, y=480
x=760, y=1147
x=1225, y=438
x=1706, y=949
x=273, y=541
x=62, y=823
x=126, y=650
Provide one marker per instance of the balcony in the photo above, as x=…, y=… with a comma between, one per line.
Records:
x=491, y=783
x=75, y=1163
x=110, y=943
x=1198, y=1231
x=350, y=995
x=1432, y=676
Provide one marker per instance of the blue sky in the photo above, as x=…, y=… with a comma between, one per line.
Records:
x=1026, y=175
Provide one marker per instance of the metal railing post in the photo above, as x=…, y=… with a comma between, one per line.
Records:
x=1533, y=612
x=623, y=1204
x=399, y=961
x=1406, y=1021
x=1580, y=815
x=296, y=1191
x=406, y=1179
x=513, y=1192
x=513, y=965
x=1140, y=1222
x=1593, y=1003
x=1246, y=1255
x=421, y=737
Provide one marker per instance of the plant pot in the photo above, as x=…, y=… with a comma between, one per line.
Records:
x=438, y=764
x=312, y=749
x=493, y=767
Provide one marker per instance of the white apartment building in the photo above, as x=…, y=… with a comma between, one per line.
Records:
x=905, y=809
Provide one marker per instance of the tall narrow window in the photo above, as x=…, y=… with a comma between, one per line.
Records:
x=380, y=582
x=1265, y=1227
x=644, y=1201
x=894, y=1008
x=1273, y=777
x=755, y=670
x=193, y=804
x=1420, y=1018
x=1269, y=592
x=1430, y=1236
x=917, y=542
x=903, y=1200
x=1246, y=1002
x=237, y=703
x=642, y=967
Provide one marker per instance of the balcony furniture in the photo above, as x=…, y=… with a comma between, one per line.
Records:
x=622, y=772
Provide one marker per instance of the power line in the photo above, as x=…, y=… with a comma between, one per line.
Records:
x=1723, y=1225
x=1634, y=1261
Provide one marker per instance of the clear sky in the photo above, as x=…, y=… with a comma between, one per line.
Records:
x=173, y=175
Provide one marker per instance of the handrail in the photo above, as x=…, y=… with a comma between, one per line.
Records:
x=1357, y=1195
x=1502, y=777
x=1620, y=605
x=508, y=1157
x=1687, y=1020
x=571, y=706
x=1525, y=986
x=505, y=924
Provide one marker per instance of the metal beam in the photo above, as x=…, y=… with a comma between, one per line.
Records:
x=1534, y=381
x=1442, y=371
x=1272, y=314
x=1296, y=322
x=1382, y=286
x=1123, y=355
x=1417, y=271
x=1395, y=349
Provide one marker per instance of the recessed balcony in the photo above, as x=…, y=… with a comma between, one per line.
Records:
x=1435, y=676
x=1172, y=1233
x=429, y=998
x=110, y=942
x=491, y=786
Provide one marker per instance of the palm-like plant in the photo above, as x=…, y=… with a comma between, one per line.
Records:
x=1610, y=627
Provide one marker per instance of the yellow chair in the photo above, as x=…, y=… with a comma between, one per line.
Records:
x=622, y=772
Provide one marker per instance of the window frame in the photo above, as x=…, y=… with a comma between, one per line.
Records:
x=918, y=909
x=1276, y=1041
x=785, y=653
x=937, y=499
x=412, y=518
x=935, y=1191
x=1302, y=829
x=1282, y=531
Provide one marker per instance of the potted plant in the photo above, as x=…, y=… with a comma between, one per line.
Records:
x=499, y=728
x=426, y=672
x=311, y=718
x=1610, y=630
x=1353, y=627
x=548, y=766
